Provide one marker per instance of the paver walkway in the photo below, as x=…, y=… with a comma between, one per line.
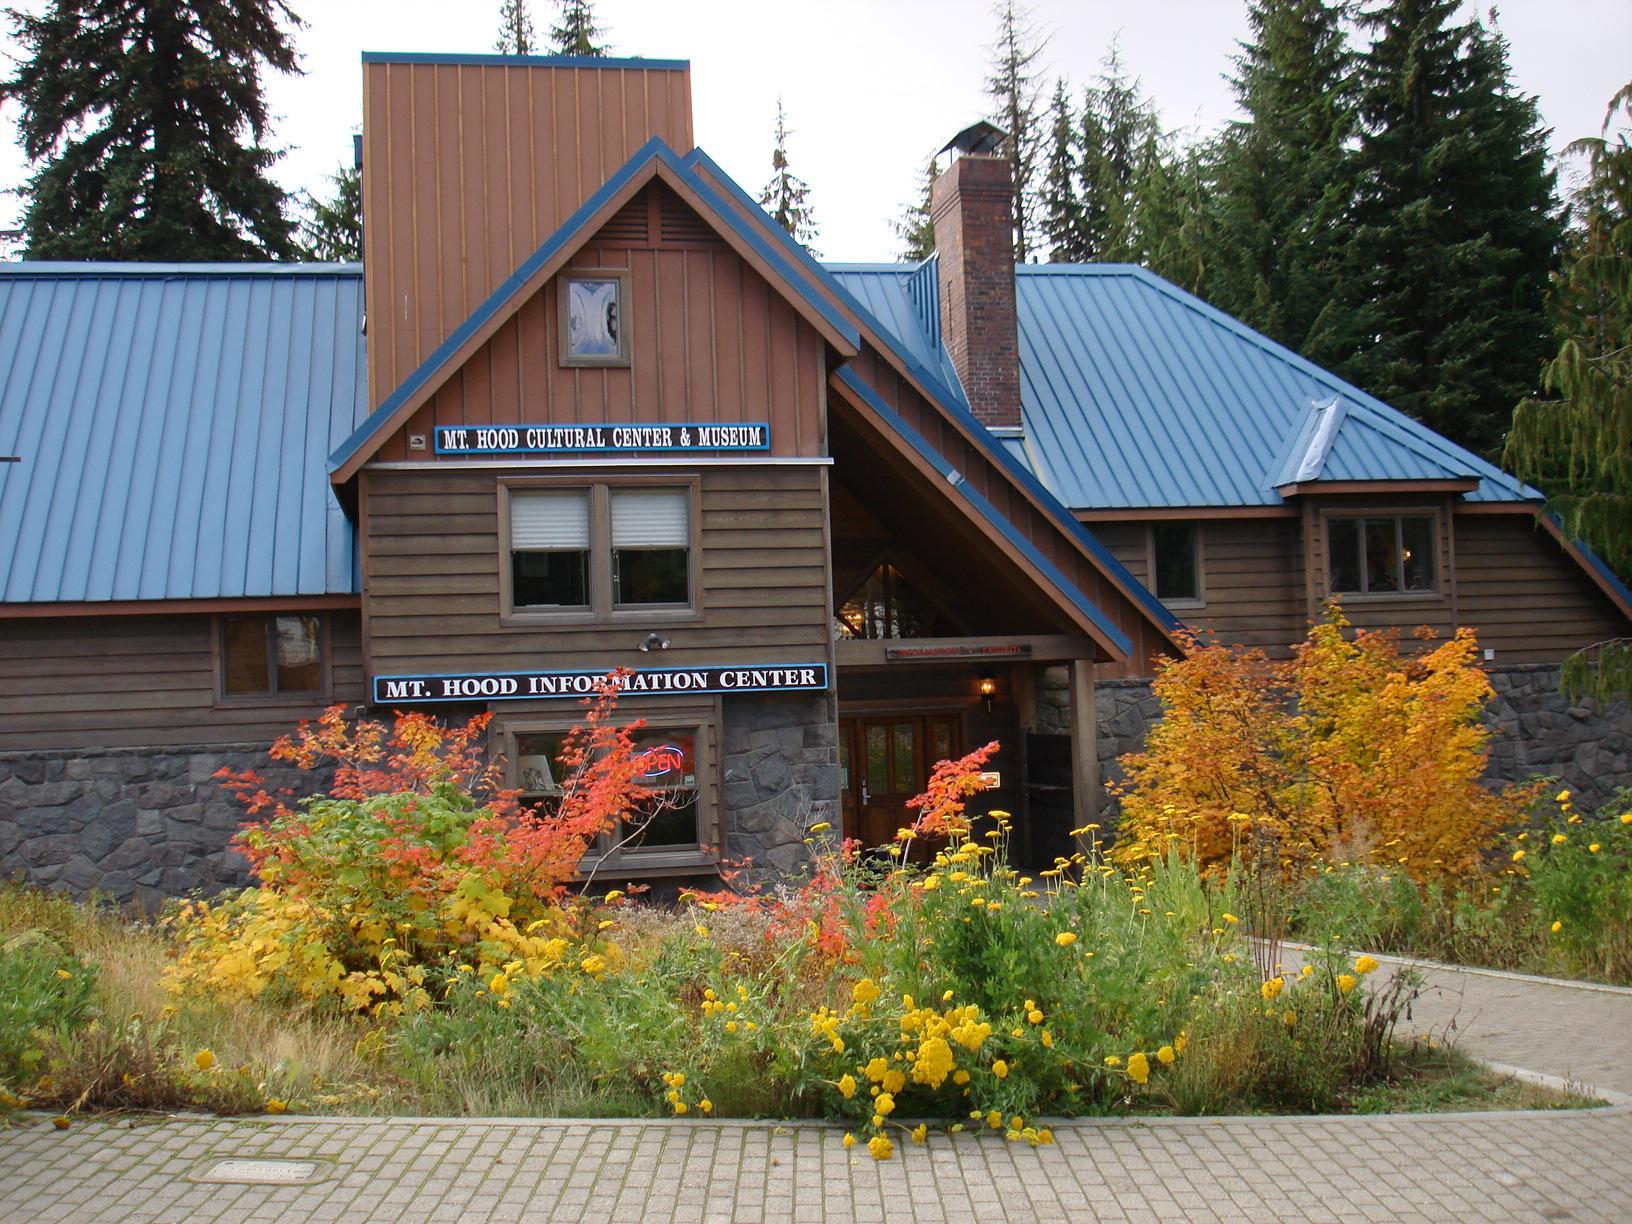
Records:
x=1575, y=1032
x=1506, y=1166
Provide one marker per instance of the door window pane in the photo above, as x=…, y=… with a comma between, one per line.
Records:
x=651, y=576
x=1382, y=555
x=940, y=741
x=538, y=762
x=878, y=759
x=300, y=665
x=1177, y=573
x=550, y=579
x=549, y=541
x=906, y=759
x=670, y=760
x=1417, y=553
x=651, y=546
x=244, y=664
x=1343, y=547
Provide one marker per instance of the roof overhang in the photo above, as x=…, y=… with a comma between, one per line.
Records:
x=654, y=161
x=951, y=405
x=953, y=488
x=1452, y=484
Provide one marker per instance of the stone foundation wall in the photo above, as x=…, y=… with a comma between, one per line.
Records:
x=136, y=824
x=1536, y=730
x=779, y=759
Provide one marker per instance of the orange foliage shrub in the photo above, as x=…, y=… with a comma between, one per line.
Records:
x=1349, y=750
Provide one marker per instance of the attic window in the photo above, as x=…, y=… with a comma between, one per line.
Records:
x=594, y=307
x=886, y=605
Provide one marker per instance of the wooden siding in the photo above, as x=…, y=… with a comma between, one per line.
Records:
x=468, y=168
x=1530, y=600
x=1011, y=501
x=1500, y=574
x=1251, y=584
x=431, y=578
x=113, y=682
x=710, y=340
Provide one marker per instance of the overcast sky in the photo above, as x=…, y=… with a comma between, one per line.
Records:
x=872, y=87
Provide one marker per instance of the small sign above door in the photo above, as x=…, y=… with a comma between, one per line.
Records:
x=957, y=650
x=596, y=439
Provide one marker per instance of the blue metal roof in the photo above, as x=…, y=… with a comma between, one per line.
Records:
x=1136, y=394
x=173, y=423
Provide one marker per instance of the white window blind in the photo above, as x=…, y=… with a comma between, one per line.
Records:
x=554, y=519
x=650, y=518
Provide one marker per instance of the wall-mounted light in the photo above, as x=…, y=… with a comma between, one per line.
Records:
x=987, y=688
x=654, y=641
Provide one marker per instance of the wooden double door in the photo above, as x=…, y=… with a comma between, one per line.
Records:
x=885, y=760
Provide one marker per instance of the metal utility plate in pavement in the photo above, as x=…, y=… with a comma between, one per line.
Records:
x=246, y=1171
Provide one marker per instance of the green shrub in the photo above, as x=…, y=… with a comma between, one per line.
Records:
x=45, y=994
x=1580, y=872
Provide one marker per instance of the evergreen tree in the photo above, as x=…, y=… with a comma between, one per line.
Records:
x=1015, y=90
x=1281, y=177
x=145, y=121
x=1060, y=205
x=1121, y=144
x=1440, y=308
x=915, y=227
x=515, y=29
x=1577, y=446
x=786, y=196
x=332, y=229
x=577, y=33
x=1173, y=209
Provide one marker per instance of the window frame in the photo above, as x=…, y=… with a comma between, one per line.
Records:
x=1199, y=599
x=611, y=865
x=620, y=359
x=273, y=697
x=1362, y=515
x=601, y=609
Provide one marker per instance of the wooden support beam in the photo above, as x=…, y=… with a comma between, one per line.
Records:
x=1085, y=791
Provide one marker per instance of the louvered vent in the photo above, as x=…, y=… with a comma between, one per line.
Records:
x=628, y=225
x=679, y=226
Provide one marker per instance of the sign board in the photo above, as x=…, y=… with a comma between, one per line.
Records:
x=633, y=439
x=956, y=650
x=990, y=779
x=540, y=685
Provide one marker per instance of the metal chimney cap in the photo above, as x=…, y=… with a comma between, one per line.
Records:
x=977, y=138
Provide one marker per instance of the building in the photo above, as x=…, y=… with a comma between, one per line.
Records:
x=600, y=412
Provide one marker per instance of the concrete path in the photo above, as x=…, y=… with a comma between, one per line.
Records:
x=1577, y=1032
x=1497, y=1166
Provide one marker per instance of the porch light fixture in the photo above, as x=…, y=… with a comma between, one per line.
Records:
x=654, y=641
x=987, y=688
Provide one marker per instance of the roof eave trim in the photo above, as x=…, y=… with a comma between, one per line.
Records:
x=1450, y=484
x=927, y=384
x=1110, y=635
x=492, y=60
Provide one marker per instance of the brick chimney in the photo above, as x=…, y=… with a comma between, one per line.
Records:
x=972, y=211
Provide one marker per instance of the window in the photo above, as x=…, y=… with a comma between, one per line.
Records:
x=599, y=550
x=549, y=549
x=1176, y=562
x=887, y=605
x=271, y=656
x=668, y=830
x=1381, y=556
x=594, y=318
x=651, y=547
